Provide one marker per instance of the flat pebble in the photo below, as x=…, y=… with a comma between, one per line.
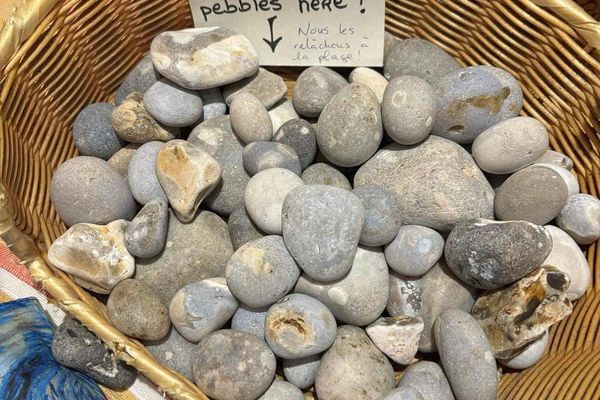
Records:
x=280, y=390
x=382, y=221
x=428, y=379
x=259, y=156
x=397, y=337
x=281, y=113
x=302, y=372
x=299, y=326
x=93, y=133
x=405, y=297
x=531, y=355
x=139, y=79
x=314, y=88
x=580, y=218
x=142, y=174
x=146, y=234
x=173, y=105
x=371, y=79
x=201, y=308
x=324, y=174
x=250, y=119
x=556, y=158
x=174, y=352
x=241, y=228
x=121, y=159
x=231, y=365
x=414, y=250
x=249, y=320
x=403, y=393
x=213, y=104
x=300, y=136
x=270, y=88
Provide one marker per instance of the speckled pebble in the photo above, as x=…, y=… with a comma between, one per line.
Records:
x=300, y=136
x=250, y=119
x=142, y=176
x=249, y=320
x=146, y=234
x=397, y=337
x=173, y=105
x=382, y=221
x=213, y=104
x=270, y=88
x=302, y=372
x=93, y=133
x=370, y=78
x=259, y=156
x=241, y=228
x=414, y=250
x=280, y=390
x=315, y=87
x=580, y=218
x=173, y=352
x=324, y=174
x=139, y=79
x=428, y=379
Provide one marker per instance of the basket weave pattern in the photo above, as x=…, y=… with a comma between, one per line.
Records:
x=82, y=50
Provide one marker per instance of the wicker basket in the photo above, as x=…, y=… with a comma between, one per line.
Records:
x=81, y=50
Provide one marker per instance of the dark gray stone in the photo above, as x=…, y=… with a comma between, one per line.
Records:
x=146, y=234
x=300, y=136
x=93, y=133
x=139, y=79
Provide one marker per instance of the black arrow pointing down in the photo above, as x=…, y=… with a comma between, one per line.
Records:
x=273, y=42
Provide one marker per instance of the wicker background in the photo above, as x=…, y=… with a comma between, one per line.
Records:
x=82, y=50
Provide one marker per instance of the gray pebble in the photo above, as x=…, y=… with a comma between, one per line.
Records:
x=231, y=365
x=467, y=356
x=371, y=79
x=241, y=228
x=325, y=174
x=580, y=218
x=315, y=87
x=350, y=130
x=414, y=250
x=403, y=393
x=201, y=308
x=270, y=88
x=281, y=113
x=213, y=104
x=553, y=157
x=93, y=133
x=353, y=368
x=321, y=229
x=77, y=348
x=567, y=176
x=530, y=356
x=138, y=311
x=420, y=58
x=139, y=79
x=88, y=189
x=515, y=96
x=382, y=221
x=405, y=297
x=281, y=390
x=408, y=109
x=141, y=175
x=259, y=156
x=428, y=379
x=299, y=326
x=250, y=119
x=173, y=105
x=358, y=298
x=121, y=159
x=302, y=372
x=300, y=136
x=174, y=352
x=249, y=320
x=146, y=234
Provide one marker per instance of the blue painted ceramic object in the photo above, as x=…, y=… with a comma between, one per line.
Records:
x=27, y=369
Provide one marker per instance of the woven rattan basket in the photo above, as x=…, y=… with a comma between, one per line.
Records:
x=79, y=51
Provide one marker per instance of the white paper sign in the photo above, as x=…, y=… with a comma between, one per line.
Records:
x=339, y=33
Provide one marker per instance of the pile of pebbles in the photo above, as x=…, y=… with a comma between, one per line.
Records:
x=369, y=220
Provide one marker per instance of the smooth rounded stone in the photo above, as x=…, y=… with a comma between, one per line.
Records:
x=241, y=228
x=302, y=372
x=437, y=183
x=428, y=379
x=73, y=346
x=259, y=156
x=280, y=390
x=231, y=365
x=249, y=320
x=518, y=314
x=397, y=337
x=187, y=174
x=490, y=254
x=142, y=174
x=281, y=113
x=138, y=311
x=121, y=159
x=358, y=298
x=139, y=79
x=94, y=254
x=515, y=97
x=270, y=88
x=174, y=352
x=382, y=221
x=568, y=258
x=510, y=145
x=203, y=58
x=250, y=119
x=353, y=368
x=580, y=218
x=466, y=355
x=408, y=109
x=201, y=308
x=261, y=272
x=531, y=355
x=213, y=104
x=418, y=57
x=350, y=130
x=194, y=251
x=568, y=177
x=371, y=79
x=325, y=174
x=321, y=229
x=535, y=194
x=264, y=198
x=405, y=296
x=146, y=234
x=133, y=123
x=93, y=133
x=402, y=393
x=299, y=326
x=88, y=189
x=216, y=137
x=414, y=250
x=301, y=137
x=469, y=101
x=315, y=87
x=556, y=158
x=173, y=105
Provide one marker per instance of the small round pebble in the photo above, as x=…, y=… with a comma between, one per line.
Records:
x=88, y=189
x=531, y=355
x=414, y=250
x=300, y=136
x=428, y=379
x=231, y=365
x=93, y=133
x=382, y=221
x=173, y=105
x=370, y=78
x=213, y=104
x=314, y=89
x=299, y=326
x=138, y=311
x=141, y=174
x=281, y=390
x=146, y=234
x=121, y=159
x=259, y=156
x=249, y=320
x=250, y=119
x=404, y=393
x=301, y=372
x=241, y=228
x=580, y=218
x=261, y=272
x=556, y=158
x=324, y=174
x=174, y=352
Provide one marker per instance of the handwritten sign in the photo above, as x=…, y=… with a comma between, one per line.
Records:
x=302, y=32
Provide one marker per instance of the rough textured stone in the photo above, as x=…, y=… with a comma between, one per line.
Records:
x=397, y=337
x=142, y=174
x=302, y=372
x=281, y=113
x=371, y=79
x=259, y=156
x=324, y=174
x=172, y=105
x=580, y=218
x=270, y=88
x=173, y=352
x=241, y=228
x=280, y=390
x=414, y=250
x=315, y=87
x=139, y=79
x=249, y=320
x=553, y=157
x=203, y=58
x=121, y=159
x=301, y=137
x=146, y=234
x=93, y=133
x=437, y=183
x=533, y=353
x=382, y=221
x=213, y=104
x=428, y=379
x=250, y=119
x=405, y=297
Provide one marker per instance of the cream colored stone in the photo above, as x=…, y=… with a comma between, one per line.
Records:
x=397, y=337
